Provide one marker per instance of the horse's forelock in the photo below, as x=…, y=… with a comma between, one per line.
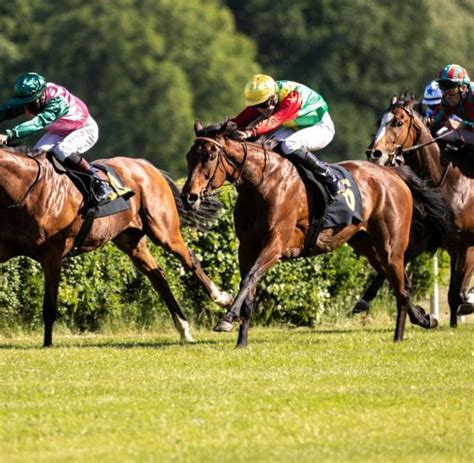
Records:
x=219, y=128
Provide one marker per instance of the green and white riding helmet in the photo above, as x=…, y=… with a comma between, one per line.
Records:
x=28, y=87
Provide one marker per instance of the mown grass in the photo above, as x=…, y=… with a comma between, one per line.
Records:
x=333, y=394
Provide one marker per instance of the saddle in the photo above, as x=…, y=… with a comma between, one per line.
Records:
x=118, y=202
x=345, y=209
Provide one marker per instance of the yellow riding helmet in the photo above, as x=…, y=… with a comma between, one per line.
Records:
x=259, y=89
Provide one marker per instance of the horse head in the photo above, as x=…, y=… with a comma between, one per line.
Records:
x=211, y=160
x=398, y=129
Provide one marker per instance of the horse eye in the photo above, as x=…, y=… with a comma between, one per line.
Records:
x=399, y=123
x=212, y=156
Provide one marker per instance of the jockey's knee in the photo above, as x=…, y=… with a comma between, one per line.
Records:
x=290, y=146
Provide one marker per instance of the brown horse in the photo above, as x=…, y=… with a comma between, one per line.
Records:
x=272, y=216
x=402, y=137
x=41, y=214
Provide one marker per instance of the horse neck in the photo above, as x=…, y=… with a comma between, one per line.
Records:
x=426, y=161
x=255, y=162
x=18, y=173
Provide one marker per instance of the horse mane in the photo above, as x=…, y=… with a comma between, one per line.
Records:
x=202, y=219
x=25, y=151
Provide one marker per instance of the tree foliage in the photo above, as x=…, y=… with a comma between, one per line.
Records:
x=358, y=53
x=145, y=68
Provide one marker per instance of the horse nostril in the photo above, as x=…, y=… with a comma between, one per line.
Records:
x=192, y=198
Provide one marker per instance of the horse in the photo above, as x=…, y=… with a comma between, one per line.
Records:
x=42, y=214
x=403, y=138
x=272, y=217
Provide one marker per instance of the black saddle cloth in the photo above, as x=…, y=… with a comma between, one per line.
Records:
x=83, y=183
x=346, y=209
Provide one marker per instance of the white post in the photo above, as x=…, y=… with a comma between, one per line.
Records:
x=435, y=295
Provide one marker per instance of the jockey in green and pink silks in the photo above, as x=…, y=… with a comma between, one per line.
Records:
x=70, y=129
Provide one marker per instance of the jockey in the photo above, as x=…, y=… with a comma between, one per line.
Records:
x=294, y=115
x=456, y=111
x=432, y=97
x=70, y=129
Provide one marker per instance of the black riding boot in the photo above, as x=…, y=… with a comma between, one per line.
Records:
x=100, y=188
x=320, y=169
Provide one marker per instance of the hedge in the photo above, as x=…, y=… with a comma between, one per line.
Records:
x=103, y=291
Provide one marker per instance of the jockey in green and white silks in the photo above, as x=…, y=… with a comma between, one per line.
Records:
x=70, y=129
x=295, y=115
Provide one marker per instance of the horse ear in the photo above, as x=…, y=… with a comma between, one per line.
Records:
x=393, y=101
x=198, y=127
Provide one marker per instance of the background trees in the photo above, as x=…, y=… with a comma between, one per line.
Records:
x=148, y=68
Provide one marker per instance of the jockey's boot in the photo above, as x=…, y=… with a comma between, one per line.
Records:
x=320, y=169
x=100, y=189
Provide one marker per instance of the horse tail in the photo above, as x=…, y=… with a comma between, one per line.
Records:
x=431, y=217
x=202, y=219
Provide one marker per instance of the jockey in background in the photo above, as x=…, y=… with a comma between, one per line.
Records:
x=70, y=129
x=432, y=97
x=294, y=115
x=456, y=111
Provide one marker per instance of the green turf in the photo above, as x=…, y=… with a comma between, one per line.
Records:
x=330, y=394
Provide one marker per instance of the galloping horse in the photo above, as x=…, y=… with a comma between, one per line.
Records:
x=42, y=215
x=272, y=217
x=403, y=138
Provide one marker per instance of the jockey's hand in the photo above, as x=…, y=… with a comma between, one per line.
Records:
x=241, y=135
x=428, y=121
x=3, y=139
x=453, y=124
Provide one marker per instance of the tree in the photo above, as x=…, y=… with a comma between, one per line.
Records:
x=146, y=69
x=357, y=53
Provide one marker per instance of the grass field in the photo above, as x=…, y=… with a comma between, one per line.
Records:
x=343, y=393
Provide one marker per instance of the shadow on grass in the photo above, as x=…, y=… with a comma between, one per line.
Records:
x=227, y=339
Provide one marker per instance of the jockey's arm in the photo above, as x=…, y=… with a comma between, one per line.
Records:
x=246, y=117
x=54, y=109
x=286, y=110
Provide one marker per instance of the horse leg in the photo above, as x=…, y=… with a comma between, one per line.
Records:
x=52, y=272
x=253, y=266
x=172, y=240
x=134, y=245
x=245, y=315
x=362, y=305
x=462, y=266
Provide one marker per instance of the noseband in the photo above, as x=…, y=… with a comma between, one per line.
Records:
x=222, y=154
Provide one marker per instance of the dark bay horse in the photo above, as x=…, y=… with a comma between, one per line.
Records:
x=272, y=216
x=402, y=137
x=41, y=216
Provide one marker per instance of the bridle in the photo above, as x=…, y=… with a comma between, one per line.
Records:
x=221, y=154
x=400, y=150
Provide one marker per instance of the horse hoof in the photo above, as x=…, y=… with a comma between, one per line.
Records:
x=361, y=306
x=465, y=309
x=223, y=326
x=433, y=322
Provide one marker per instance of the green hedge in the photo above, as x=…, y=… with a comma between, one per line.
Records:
x=103, y=291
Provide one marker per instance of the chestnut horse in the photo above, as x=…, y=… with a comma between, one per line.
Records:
x=42, y=214
x=272, y=216
x=403, y=138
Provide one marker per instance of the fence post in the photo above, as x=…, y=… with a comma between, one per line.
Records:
x=435, y=294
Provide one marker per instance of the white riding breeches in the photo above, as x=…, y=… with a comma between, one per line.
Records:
x=314, y=138
x=76, y=142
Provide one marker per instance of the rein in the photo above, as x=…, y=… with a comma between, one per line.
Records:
x=222, y=154
x=399, y=150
